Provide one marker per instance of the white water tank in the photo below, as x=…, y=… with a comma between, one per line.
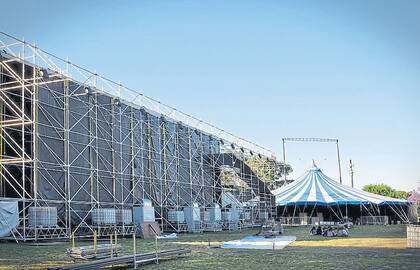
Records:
x=104, y=216
x=192, y=217
x=42, y=216
x=263, y=215
x=231, y=215
x=214, y=213
x=124, y=216
x=176, y=216
x=246, y=215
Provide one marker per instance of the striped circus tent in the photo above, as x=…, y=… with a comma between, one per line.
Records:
x=315, y=188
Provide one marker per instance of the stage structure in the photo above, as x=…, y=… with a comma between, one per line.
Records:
x=77, y=148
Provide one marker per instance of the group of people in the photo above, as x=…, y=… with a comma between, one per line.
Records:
x=340, y=231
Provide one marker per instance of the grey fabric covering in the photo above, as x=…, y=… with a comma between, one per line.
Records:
x=118, y=154
x=9, y=217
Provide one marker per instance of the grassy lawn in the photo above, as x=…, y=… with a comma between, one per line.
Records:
x=368, y=247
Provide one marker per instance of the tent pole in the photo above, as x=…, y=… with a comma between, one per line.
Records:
x=405, y=217
x=333, y=212
x=282, y=216
x=396, y=212
x=339, y=211
x=347, y=212
x=339, y=162
x=367, y=211
x=312, y=212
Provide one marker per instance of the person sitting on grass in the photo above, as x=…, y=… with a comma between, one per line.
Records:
x=330, y=232
x=313, y=230
x=316, y=230
x=342, y=232
x=319, y=230
x=324, y=231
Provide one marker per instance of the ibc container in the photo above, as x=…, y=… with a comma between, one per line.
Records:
x=124, y=216
x=104, y=216
x=263, y=215
x=246, y=215
x=42, y=216
x=230, y=215
x=176, y=216
x=214, y=213
x=413, y=236
x=193, y=217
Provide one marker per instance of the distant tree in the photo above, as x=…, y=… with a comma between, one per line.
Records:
x=268, y=169
x=385, y=190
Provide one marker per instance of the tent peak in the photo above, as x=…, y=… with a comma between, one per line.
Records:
x=314, y=167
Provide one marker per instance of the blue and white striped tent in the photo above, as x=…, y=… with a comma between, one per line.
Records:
x=315, y=188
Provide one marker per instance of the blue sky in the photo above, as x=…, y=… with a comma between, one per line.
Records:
x=260, y=69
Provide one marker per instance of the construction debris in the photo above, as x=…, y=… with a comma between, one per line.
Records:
x=271, y=230
x=89, y=252
x=131, y=260
x=168, y=236
x=149, y=230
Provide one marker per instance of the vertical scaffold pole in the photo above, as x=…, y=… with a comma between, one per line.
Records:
x=116, y=243
x=165, y=169
x=95, y=241
x=111, y=243
x=95, y=85
x=121, y=143
x=2, y=181
x=190, y=165
x=66, y=149
x=133, y=160
x=73, y=241
x=114, y=183
x=23, y=140
x=134, y=250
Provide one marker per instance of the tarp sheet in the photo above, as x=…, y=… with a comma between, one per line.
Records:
x=260, y=242
x=118, y=154
x=9, y=217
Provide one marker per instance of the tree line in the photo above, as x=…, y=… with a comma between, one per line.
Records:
x=385, y=190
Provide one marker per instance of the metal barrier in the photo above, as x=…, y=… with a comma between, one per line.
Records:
x=374, y=220
x=300, y=221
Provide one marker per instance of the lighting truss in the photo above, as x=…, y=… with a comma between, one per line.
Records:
x=315, y=140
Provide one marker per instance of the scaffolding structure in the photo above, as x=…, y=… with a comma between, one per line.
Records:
x=74, y=140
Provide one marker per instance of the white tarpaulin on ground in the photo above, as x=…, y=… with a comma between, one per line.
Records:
x=260, y=242
x=9, y=217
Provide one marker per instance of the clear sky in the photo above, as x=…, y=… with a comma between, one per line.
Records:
x=260, y=69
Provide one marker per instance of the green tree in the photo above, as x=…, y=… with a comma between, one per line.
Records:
x=268, y=169
x=385, y=190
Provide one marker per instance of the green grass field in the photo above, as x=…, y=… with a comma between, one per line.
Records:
x=368, y=247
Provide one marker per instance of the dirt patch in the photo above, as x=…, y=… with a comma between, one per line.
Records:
x=355, y=243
